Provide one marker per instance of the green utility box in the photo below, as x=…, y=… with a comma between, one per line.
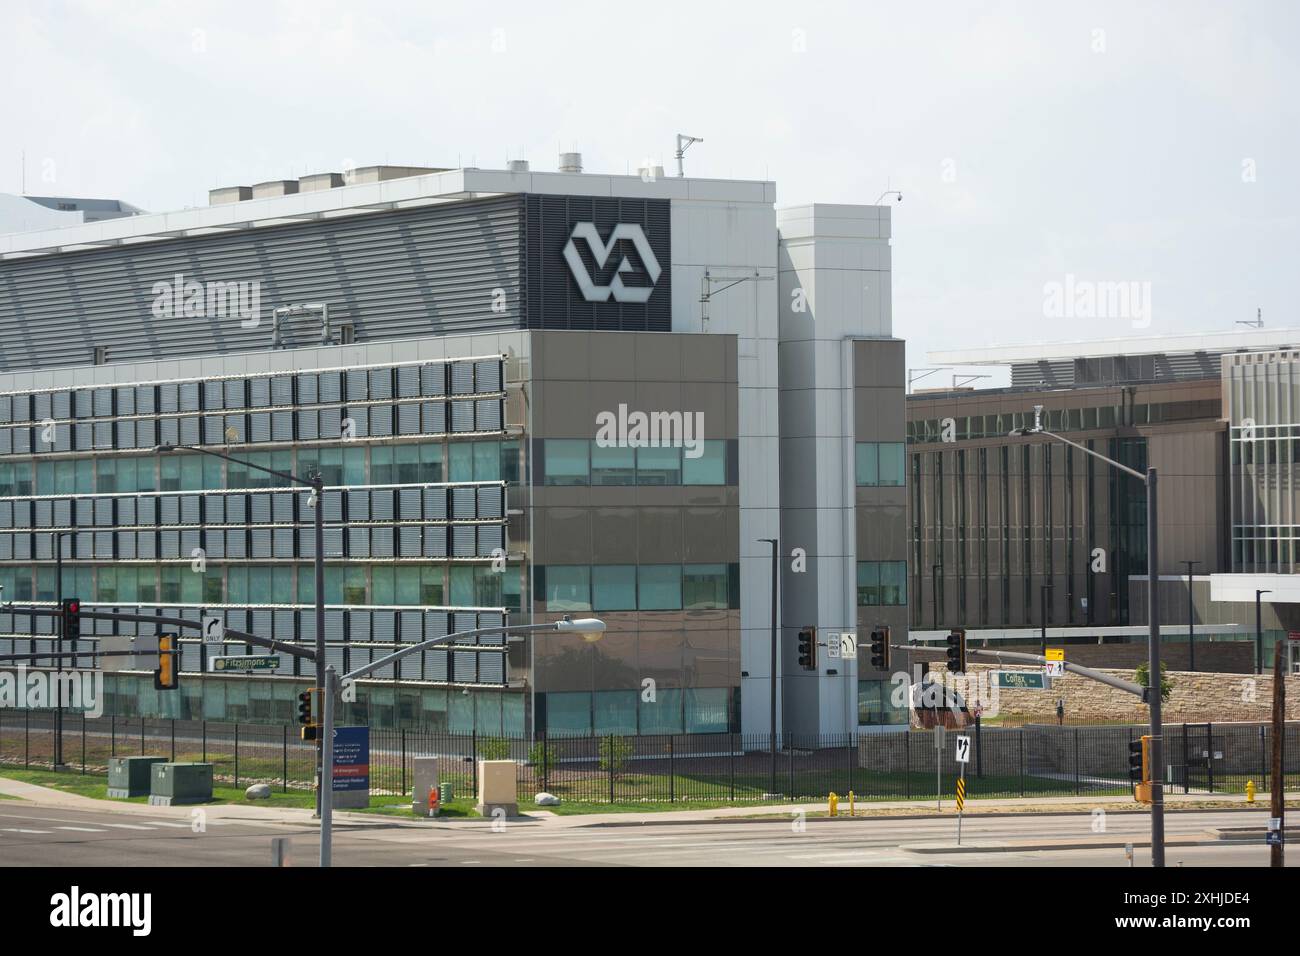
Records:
x=131, y=776
x=177, y=783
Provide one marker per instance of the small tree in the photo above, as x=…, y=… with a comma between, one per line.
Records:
x=494, y=748
x=614, y=755
x=542, y=754
x=1142, y=676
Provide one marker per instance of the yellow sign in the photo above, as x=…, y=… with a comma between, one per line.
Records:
x=961, y=793
x=1056, y=653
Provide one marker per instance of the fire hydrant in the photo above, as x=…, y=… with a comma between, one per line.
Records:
x=433, y=801
x=835, y=805
x=1250, y=791
x=851, y=806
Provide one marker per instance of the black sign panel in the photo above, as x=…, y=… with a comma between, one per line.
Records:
x=598, y=263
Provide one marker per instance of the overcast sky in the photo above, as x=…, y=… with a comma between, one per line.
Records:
x=1114, y=142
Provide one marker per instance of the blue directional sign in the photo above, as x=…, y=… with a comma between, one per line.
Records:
x=351, y=759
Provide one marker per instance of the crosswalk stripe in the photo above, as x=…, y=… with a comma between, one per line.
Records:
x=169, y=823
x=82, y=829
x=127, y=826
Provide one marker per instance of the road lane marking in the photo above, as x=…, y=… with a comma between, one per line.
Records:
x=127, y=826
x=82, y=829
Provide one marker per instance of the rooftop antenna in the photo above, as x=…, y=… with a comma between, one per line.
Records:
x=683, y=144
x=888, y=192
x=1256, y=323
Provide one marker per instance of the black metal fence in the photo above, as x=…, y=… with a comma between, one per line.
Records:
x=1033, y=760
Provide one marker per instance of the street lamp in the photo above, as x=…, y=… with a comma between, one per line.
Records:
x=317, y=485
x=1153, y=631
x=1191, y=629
x=589, y=628
x=1259, y=635
x=776, y=590
x=58, y=537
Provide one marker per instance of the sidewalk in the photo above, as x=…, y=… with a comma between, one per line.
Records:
x=298, y=816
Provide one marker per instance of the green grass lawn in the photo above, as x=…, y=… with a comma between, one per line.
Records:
x=96, y=786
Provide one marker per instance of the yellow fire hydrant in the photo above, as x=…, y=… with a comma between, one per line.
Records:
x=851, y=806
x=835, y=805
x=1250, y=791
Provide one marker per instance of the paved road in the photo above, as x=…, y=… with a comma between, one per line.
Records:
x=32, y=835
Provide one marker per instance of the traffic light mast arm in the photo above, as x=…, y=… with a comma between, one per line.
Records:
x=1016, y=657
x=291, y=649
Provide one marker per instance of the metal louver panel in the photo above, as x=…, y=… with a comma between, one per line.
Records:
x=82, y=437
x=434, y=415
x=408, y=419
x=408, y=381
x=282, y=542
x=357, y=381
x=214, y=541
x=125, y=430
x=125, y=545
x=235, y=393
x=359, y=417
x=146, y=545
x=433, y=379
x=381, y=542
x=358, y=625
x=410, y=504
x=463, y=541
x=190, y=509
x=462, y=378
x=282, y=426
x=236, y=509
x=334, y=626
x=435, y=504
x=435, y=541
x=409, y=542
x=381, y=383
x=333, y=506
x=189, y=396
x=381, y=504
x=126, y=511
x=331, y=387
x=236, y=429
x=214, y=395
x=307, y=542
x=308, y=389
x=491, y=537
x=103, y=402
x=331, y=422
x=435, y=665
x=359, y=542
x=358, y=506
x=190, y=434
x=462, y=416
x=286, y=622
x=83, y=401
x=259, y=392
x=410, y=667
x=282, y=390
x=260, y=508
x=169, y=543
x=191, y=541
x=169, y=510
x=333, y=542
x=104, y=512
x=214, y=430
x=146, y=507
x=236, y=543
x=145, y=434
x=260, y=540
x=282, y=506
x=487, y=375
x=489, y=501
x=487, y=415
x=308, y=425
x=464, y=504
x=384, y=627
x=125, y=400
x=380, y=420
x=412, y=624
x=214, y=509
x=169, y=431
x=259, y=427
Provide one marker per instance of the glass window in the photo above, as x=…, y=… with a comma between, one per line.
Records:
x=868, y=463
x=659, y=587
x=510, y=465
x=381, y=578
x=893, y=582
x=568, y=587
x=406, y=465
x=106, y=475
x=710, y=468
x=663, y=715
x=616, y=711
x=432, y=585
x=568, y=715
x=460, y=462
x=381, y=465
x=566, y=461
x=487, y=461
x=613, y=587
x=704, y=586
x=85, y=476
x=891, y=463
x=613, y=466
x=868, y=583
x=659, y=466
x=406, y=585
x=706, y=710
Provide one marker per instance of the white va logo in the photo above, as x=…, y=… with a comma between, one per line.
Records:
x=601, y=252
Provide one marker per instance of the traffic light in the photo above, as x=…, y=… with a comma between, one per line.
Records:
x=71, y=612
x=1139, y=768
x=166, y=677
x=957, y=651
x=808, y=648
x=880, y=648
x=305, y=715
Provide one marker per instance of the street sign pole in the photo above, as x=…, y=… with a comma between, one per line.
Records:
x=327, y=771
x=963, y=758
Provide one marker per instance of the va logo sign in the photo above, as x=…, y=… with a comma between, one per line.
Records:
x=601, y=251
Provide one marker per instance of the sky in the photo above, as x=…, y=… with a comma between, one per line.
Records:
x=1038, y=145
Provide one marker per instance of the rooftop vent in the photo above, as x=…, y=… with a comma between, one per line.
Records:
x=225, y=194
x=275, y=187
x=319, y=181
x=517, y=165
x=571, y=162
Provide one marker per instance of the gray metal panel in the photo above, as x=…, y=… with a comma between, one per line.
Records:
x=435, y=504
x=381, y=504
x=392, y=274
x=462, y=416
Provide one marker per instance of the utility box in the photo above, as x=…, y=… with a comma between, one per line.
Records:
x=131, y=776
x=174, y=784
x=496, y=788
x=425, y=772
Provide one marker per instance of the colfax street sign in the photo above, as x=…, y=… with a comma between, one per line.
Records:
x=249, y=662
x=1022, y=680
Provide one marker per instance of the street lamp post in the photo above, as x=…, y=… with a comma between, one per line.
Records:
x=1191, y=628
x=776, y=585
x=590, y=628
x=1259, y=634
x=317, y=485
x=58, y=537
x=1153, y=631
